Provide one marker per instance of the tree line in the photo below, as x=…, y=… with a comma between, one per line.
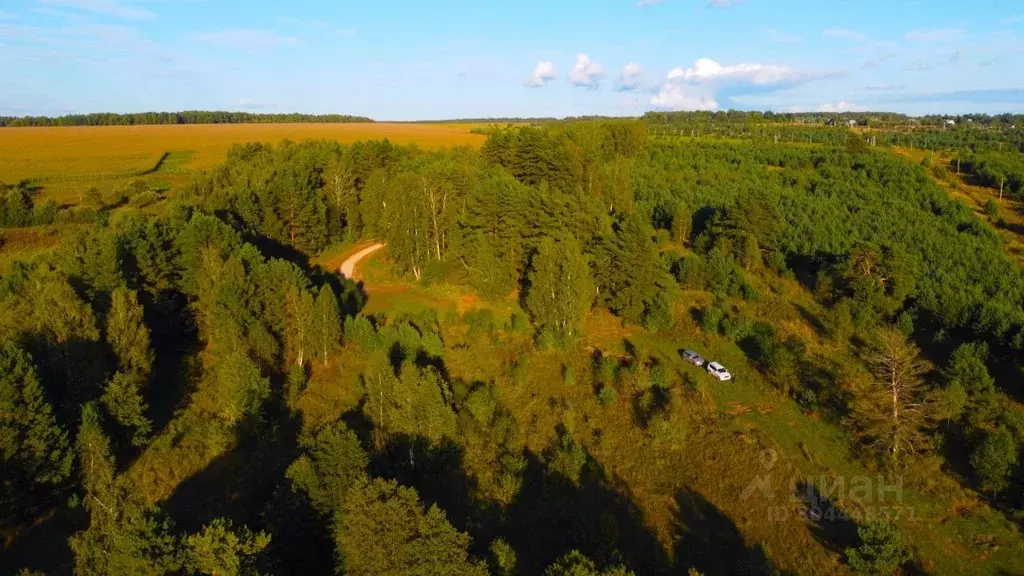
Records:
x=183, y=117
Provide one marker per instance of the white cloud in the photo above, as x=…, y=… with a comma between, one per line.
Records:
x=841, y=106
x=244, y=39
x=674, y=96
x=934, y=35
x=104, y=8
x=645, y=3
x=1015, y=19
x=7, y=15
x=707, y=70
x=695, y=88
x=630, y=77
x=586, y=73
x=543, y=73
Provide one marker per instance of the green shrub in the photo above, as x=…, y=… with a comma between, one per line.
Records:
x=360, y=330
x=991, y=208
x=143, y=199
x=994, y=459
x=657, y=315
x=607, y=395
x=881, y=549
x=568, y=375
x=711, y=320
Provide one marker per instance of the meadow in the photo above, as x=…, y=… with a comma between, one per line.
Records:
x=66, y=161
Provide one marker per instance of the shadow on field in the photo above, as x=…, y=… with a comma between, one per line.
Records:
x=708, y=540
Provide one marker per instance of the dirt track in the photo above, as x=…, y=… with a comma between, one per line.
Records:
x=348, y=267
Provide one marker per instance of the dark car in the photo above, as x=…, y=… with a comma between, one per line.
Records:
x=693, y=358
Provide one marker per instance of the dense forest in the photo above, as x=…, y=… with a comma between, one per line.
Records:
x=184, y=117
x=186, y=390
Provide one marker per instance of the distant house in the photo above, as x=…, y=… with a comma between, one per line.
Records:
x=851, y=123
x=950, y=122
x=830, y=122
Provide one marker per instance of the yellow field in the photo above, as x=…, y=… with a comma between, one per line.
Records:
x=67, y=160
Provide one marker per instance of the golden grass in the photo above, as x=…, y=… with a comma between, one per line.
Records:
x=68, y=160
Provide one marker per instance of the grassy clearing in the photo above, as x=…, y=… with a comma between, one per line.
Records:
x=66, y=161
x=732, y=436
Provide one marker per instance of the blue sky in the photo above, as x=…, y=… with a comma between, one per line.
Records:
x=405, y=59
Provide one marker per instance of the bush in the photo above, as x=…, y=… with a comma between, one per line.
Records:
x=994, y=459
x=711, y=320
x=607, y=395
x=45, y=213
x=360, y=330
x=143, y=199
x=92, y=198
x=546, y=339
x=657, y=315
x=568, y=375
x=881, y=549
x=991, y=208
x=480, y=321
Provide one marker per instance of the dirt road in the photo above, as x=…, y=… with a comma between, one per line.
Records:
x=348, y=267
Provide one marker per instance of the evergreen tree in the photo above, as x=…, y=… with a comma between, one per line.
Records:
x=881, y=550
x=125, y=535
x=220, y=550
x=36, y=456
x=385, y=531
x=893, y=413
x=333, y=461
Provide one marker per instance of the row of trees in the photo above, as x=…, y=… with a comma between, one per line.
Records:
x=184, y=117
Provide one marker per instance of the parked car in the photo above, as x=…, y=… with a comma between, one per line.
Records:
x=692, y=357
x=719, y=371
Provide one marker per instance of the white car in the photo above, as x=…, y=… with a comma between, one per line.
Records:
x=719, y=371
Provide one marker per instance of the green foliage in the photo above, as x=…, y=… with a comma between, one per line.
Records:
x=36, y=455
x=967, y=372
x=607, y=395
x=627, y=270
x=566, y=456
x=881, y=549
x=994, y=458
x=384, y=530
x=221, y=550
x=560, y=288
x=576, y=564
x=333, y=461
x=360, y=330
x=502, y=558
x=126, y=535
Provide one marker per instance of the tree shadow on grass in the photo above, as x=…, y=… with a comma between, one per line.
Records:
x=596, y=515
x=708, y=540
x=238, y=484
x=828, y=523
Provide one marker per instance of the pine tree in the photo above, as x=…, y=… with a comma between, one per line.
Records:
x=127, y=333
x=221, y=550
x=385, y=531
x=333, y=461
x=35, y=452
x=125, y=536
x=893, y=413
